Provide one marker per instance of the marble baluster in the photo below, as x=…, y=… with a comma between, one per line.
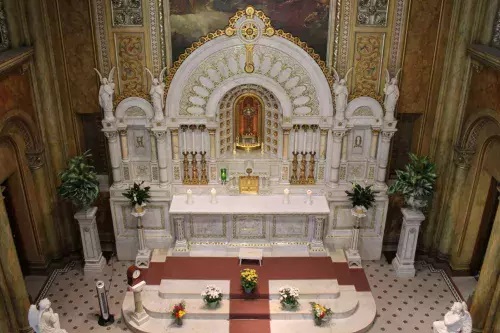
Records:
x=337, y=150
x=11, y=269
x=383, y=156
x=124, y=143
x=175, y=143
x=161, y=146
x=114, y=156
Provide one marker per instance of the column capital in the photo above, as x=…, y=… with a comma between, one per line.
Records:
x=211, y=131
x=174, y=131
x=122, y=131
x=286, y=131
x=463, y=157
x=35, y=159
x=387, y=135
x=111, y=135
x=160, y=134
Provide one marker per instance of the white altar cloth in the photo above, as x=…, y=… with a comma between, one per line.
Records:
x=249, y=204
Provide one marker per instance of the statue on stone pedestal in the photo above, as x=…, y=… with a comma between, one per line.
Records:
x=457, y=320
x=157, y=92
x=106, y=92
x=341, y=94
x=391, y=91
x=44, y=320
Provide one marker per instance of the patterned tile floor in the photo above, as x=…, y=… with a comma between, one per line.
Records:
x=402, y=305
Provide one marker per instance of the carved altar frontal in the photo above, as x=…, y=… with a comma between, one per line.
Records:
x=249, y=95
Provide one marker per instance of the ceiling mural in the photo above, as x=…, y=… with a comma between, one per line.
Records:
x=192, y=19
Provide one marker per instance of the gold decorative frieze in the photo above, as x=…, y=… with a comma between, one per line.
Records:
x=131, y=61
x=126, y=13
x=372, y=12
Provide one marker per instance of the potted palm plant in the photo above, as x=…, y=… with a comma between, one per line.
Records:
x=138, y=196
x=416, y=182
x=362, y=198
x=79, y=185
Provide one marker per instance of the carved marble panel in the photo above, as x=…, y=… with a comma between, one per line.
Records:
x=356, y=171
x=126, y=13
x=290, y=227
x=249, y=227
x=359, y=141
x=139, y=144
x=368, y=58
x=207, y=226
x=372, y=12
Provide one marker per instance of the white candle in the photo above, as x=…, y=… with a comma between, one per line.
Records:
x=309, y=196
x=305, y=139
x=189, y=196
x=287, y=195
x=184, y=141
x=192, y=132
x=314, y=136
x=295, y=137
x=213, y=192
x=202, y=145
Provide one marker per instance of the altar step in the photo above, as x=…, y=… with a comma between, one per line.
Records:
x=249, y=326
x=249, y=309
x=190, y=289
x=317, y=288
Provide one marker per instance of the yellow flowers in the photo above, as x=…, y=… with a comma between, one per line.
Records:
x=249, y=278
x=181, y=314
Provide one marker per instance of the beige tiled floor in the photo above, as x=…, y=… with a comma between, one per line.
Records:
x=402, y=305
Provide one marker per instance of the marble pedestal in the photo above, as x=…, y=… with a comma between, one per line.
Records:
x=403, y=263
x=94, y=261
x=139, y=316
x=143, y=257
x=352, y=254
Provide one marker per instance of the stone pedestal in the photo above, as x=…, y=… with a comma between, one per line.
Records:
x=317, y=247
x=143, y=257
x=352, y=253
x=94, y=261
x=139, y=316
x=405, y=257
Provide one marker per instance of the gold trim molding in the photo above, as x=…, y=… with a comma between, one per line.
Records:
x=488, y=56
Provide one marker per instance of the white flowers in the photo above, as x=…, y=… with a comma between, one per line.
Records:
x=289, y=295
x=211, y=294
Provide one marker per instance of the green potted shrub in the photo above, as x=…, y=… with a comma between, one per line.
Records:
x=362, y=198
x=79, y=182
x=416, y=182
x=138, y=196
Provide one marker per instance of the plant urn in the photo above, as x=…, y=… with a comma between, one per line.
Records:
x=317, y=321
x=139, y=208
x=248, y=290
x=178, y=321
x=288, y=306
x=212, y=305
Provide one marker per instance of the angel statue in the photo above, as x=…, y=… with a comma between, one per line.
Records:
x=457, y=320
x=44, y=320
x=341, y=94
x=157, y=91
x=106, y=92
x=391, y=91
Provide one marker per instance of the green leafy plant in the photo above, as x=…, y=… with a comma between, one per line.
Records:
x=416, y=181
x=79, y=182
x=361, y=196
x=137, y=194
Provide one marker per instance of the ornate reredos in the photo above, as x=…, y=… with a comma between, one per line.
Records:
x=224, y=59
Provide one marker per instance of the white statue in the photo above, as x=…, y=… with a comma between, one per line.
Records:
x=106, y=92
x=341, y=94
x=391, y=91
x=44, y=320
x=457, y=320
x=157, y=91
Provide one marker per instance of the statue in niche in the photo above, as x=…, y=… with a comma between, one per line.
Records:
x=341, y=94
x=44, y=320
x=106, y=92
x=157, y=92
x=358, y=142
x=456, y=320
x=391, y=91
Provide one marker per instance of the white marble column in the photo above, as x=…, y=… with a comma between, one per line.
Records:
x=175, y=143
x=383, y=156
x=114, y=156
x=322, y=143
x=94, y=261
x=211, y=134
x=161, y=146
x=286, y=143
x=374, y=143
x=405, y=256
x=124, y=143
x=154, y=153
x=317, y=248
x=181, y=244
x=343, y=157
x=139, y=316
x=336, y=151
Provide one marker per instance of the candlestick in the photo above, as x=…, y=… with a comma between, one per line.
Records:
x=305, y=139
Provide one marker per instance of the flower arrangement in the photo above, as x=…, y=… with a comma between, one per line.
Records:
x=416, y=182
x=320, y=312
x=138, y=196
x=212, y=295
x=249, y=279
x=289, y=296
x=361, y=196
x=178, y=312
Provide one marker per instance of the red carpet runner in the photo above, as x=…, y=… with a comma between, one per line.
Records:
x=250, y=314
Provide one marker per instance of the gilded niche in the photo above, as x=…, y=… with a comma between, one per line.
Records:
x=368, y=59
